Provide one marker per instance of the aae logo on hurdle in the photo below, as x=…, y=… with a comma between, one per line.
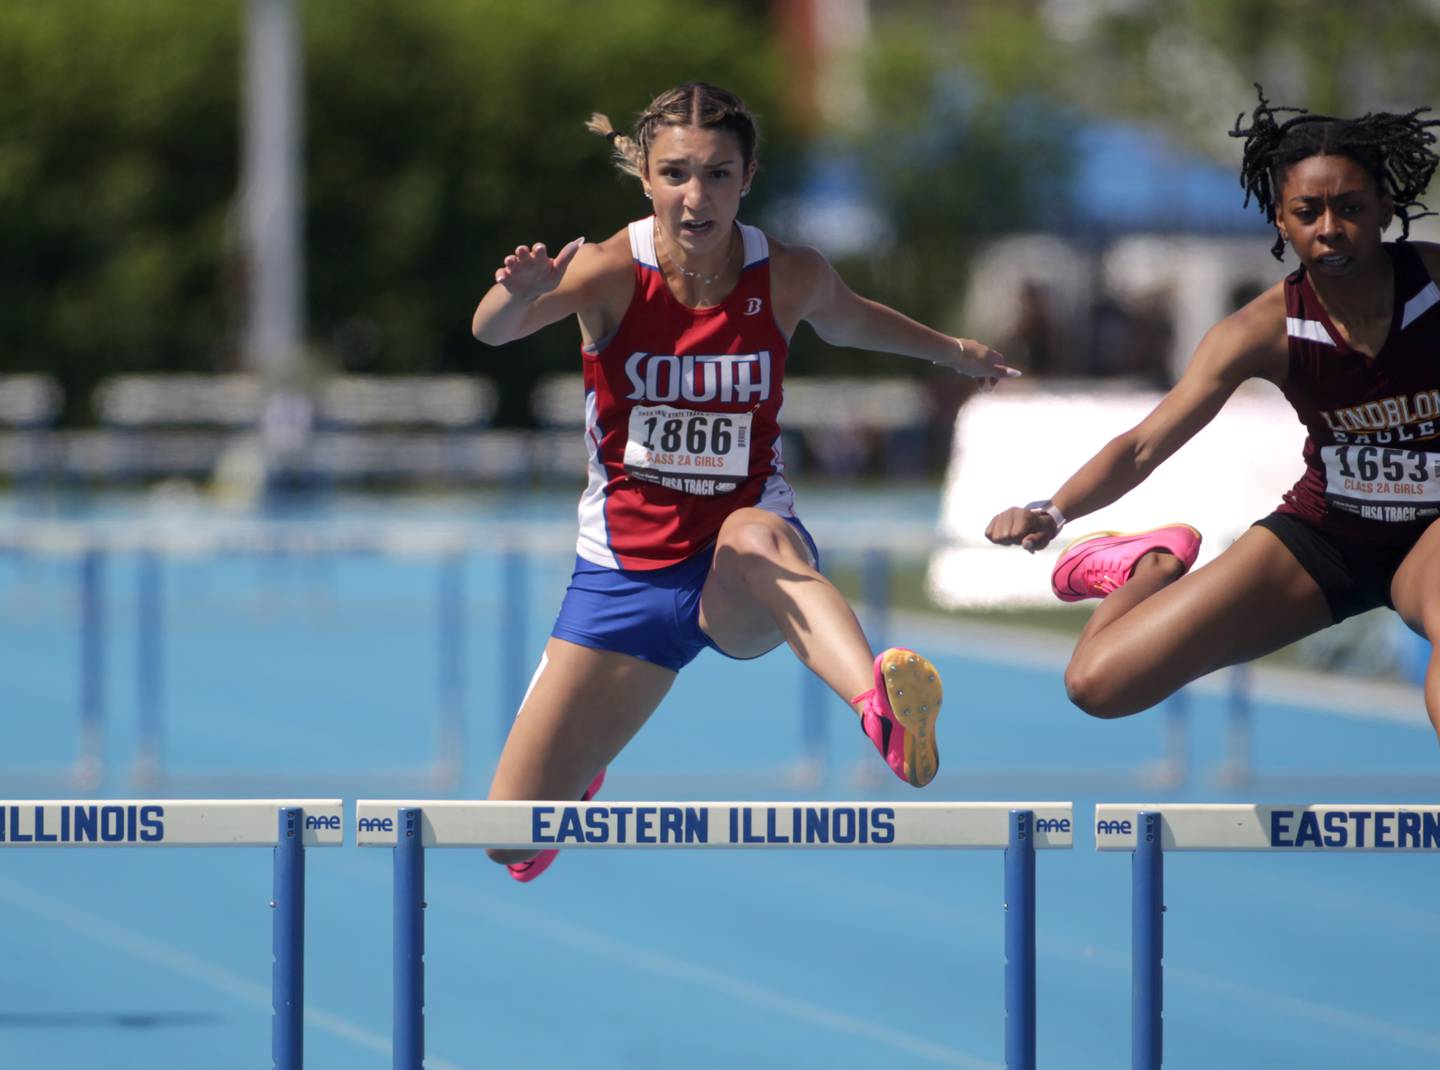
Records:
x=680, y=824
x=1274, y=826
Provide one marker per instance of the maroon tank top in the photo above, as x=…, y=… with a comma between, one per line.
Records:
x=1372, y=458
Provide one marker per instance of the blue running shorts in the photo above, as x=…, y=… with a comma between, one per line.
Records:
x=653, y=615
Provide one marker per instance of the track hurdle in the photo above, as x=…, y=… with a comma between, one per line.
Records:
x=288, y=826
x=445, y=547
x=88, y=769
x=1017, y=828
x=1150, y=830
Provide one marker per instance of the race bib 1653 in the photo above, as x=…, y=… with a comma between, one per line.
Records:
x=1382, y=482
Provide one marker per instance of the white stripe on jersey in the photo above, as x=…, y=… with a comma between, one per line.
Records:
x=642, y=242
x=593, y=543
x=777, y=496
x=1310, y=330
x=757, y=246
x=1418, y=305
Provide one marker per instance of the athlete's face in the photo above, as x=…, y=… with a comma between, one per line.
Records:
x=1331, y=214
x=695, y=176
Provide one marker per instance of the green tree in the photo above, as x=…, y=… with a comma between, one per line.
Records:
x=1187, y=65
x=1193, y=62
x=437, y=135
x=118, y=156
x=463, y=137
x=952, y=161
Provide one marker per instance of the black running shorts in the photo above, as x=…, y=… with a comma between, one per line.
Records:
x=1353, y=575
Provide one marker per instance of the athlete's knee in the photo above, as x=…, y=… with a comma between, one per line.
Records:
x=757, y=545
x=1161, y=567
x=1093, y=690
x=1427, y=622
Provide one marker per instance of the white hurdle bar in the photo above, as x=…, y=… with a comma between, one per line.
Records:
x=1148, y=830
x=1018, y=828
x=287, y=825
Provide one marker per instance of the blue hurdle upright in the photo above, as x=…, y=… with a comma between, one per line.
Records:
x=1017, y=828
x=88, y=769
x=1150, y=830
x=289, y=826
x=446, y=548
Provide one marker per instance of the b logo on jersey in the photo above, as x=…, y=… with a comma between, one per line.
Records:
x=753, y=305
x=727, y=378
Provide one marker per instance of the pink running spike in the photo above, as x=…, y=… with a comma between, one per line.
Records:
x=528, y=871
x=898, y=714
x=1095, y=565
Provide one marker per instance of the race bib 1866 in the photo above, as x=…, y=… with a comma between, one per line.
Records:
x=703, y=453
x=1382, y=482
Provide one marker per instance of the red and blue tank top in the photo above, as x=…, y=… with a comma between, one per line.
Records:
x=1372, y=457
x=682, y=415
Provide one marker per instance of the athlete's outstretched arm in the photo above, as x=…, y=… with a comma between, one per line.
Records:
x=1248, y=344
x=844, y=318
x=531, y=291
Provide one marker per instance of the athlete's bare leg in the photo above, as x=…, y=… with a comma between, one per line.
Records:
x=582, y=708
x=1153, y=572
x=1415, y=590
x=763, y=589
x=1252, y=599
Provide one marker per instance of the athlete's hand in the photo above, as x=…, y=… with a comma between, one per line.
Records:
x=529, y=271
x=1029, y=528
x=979, y=361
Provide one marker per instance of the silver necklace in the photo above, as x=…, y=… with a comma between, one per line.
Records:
x=705, y=280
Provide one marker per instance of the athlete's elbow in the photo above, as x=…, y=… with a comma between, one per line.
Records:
x=485, y=332
x=829, y=332
x=1140, y=454
x=838, y=324
x=1143, y=462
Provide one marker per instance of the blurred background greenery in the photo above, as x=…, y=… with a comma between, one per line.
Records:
x=438, y=134
x=1052, y=176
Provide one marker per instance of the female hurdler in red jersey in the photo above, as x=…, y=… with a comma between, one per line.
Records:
x=688, y=533
x=1352, y=338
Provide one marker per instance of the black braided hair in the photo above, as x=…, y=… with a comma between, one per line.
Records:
x=1394, y=149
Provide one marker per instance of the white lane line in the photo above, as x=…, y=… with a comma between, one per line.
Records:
x=83, y=923
x=940, y=913
x=670, y=967
x=464, y=899
x=1320, y=1013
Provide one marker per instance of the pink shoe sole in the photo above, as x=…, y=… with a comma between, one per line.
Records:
x=1097, y=564
x=524, y=872
x=907, y=697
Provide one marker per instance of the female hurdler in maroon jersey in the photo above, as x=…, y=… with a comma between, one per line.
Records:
x=1352, y=338
x=688, y=534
